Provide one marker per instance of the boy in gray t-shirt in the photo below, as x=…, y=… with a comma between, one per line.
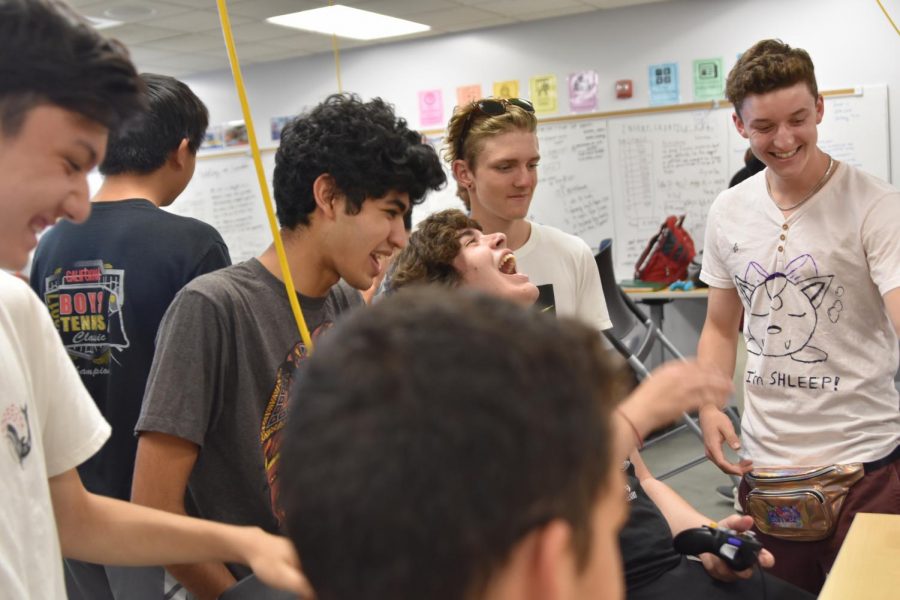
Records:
x=346, y=173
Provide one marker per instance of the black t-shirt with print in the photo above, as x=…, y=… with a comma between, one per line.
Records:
x=107, y=283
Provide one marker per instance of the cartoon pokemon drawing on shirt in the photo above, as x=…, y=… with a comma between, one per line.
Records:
x=782, y=309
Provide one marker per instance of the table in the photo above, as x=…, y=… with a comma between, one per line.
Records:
x=868, y=564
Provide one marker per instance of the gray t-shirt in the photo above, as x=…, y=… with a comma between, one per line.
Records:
x=226, y=354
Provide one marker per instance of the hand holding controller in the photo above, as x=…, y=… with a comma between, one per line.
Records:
x=739, y=550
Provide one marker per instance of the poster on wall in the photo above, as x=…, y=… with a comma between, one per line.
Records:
x=276, y=124
x=214, y=138
x=709, y=80
x=543, y=93
x=466, y=94
x=663, y=84
x=506, y=89
x=236, y=134
x=431, y=107
x=583, y=91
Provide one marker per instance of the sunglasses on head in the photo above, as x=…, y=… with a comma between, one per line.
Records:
x=491, y=107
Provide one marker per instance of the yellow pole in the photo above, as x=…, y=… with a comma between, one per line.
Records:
x=257, y=161
x=890, y=20
x=337, y=56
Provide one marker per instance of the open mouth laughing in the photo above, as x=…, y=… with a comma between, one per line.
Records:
x=508, y=264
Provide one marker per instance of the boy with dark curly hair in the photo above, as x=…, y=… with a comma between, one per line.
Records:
x=346, y=173
x=809, y=250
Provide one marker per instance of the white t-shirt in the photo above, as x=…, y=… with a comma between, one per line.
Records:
x=822, y=351
x=50, y=424
x=563, y=268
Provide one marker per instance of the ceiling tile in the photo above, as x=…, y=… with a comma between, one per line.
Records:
x=557, y=12
x=517, y=9
x=197, y=4
x=263, y=9
x=192, y=42
x=253, y=32
x=195, y=20
x=252, y=51
x=299, y=39
x=464, y=16
x=138, y=33
x=156, y=9
x=141, y=55
x=402, y=9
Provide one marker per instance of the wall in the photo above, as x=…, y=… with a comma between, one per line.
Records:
x=850, y=40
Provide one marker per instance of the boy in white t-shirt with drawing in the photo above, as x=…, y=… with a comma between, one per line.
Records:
x=808, y=250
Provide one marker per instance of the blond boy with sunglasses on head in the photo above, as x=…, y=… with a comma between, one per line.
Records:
x=492, y=147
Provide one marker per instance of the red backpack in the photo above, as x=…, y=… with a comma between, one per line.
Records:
x=667, y=255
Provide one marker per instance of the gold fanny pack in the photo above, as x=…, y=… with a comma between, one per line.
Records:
x=800, y=503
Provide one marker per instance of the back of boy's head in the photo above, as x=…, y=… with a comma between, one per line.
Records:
x=767, y=66
x=363, y=146
x=174, y=113
x=431, y=433
x=432, y=247
x=50, y=55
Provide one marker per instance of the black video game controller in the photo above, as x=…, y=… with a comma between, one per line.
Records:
x=739, y=550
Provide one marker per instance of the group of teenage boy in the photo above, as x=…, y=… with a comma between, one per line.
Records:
x=448, y=442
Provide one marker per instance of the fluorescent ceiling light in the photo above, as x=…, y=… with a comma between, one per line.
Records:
x=347, y=22
x=101, y=23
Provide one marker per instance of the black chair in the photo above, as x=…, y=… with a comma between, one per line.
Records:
x=634, y=335
x=251, y=588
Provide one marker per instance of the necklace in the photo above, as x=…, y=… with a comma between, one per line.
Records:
x=831, y=164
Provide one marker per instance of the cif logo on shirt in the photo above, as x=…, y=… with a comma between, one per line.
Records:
x=85, y=301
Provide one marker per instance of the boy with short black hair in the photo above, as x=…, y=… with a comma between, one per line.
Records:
x=108, y=281
x=809, y=251
x=346, y=173
x=62, y=86
x=451, y=446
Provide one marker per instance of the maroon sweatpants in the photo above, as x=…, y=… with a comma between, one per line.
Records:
x=806, y=564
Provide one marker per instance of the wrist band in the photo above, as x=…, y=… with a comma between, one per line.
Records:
x=637, y=435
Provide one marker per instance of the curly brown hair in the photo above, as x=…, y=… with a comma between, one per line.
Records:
x=428, y=256
x=769, y=65
x=481, y=127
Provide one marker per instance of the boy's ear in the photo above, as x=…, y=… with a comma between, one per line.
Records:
x=325, y=193
x=541, y=566
x=180, y=156
x=461, y=173
x=739, y=125
x=820, y=109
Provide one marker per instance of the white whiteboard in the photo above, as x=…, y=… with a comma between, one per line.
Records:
x=599, y=178
x=225, y=193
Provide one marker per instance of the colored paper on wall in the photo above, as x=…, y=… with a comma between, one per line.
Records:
x=663, y=84
x=468, y=93
x=506, y=89
x=276, y=124
x=583, y=91
x=214, y=138
x=709, y=79
x=431, y=107
x=543, y=93
x=236, y=134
